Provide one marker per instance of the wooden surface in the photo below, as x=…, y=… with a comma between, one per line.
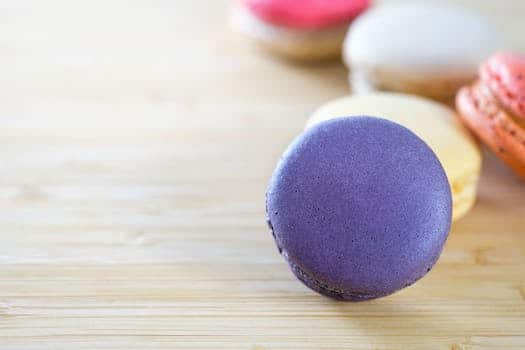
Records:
x=137, y=138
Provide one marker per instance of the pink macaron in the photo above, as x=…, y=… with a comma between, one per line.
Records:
x=306, y=14
x=494, y=108
x=305, y=29
x=505, y=75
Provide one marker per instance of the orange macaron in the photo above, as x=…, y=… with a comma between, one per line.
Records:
x=493, y=108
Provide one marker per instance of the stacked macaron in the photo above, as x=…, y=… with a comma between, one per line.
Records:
x=424, y=49
x=303, y=30
x=494, y=108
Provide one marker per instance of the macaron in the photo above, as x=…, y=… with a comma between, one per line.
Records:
x=307, y=30
x=434, y=123
x=426, y=49
x=360, y=207
x=494, y=108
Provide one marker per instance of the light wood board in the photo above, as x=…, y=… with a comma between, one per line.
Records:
x=137, y=138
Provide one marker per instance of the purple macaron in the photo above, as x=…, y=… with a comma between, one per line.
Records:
x=360, y=207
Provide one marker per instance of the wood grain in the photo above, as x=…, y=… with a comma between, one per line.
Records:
x=137, y=138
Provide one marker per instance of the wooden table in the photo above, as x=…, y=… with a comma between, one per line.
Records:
x=137, y=139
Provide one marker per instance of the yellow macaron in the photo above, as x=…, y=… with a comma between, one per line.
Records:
x=433, y=122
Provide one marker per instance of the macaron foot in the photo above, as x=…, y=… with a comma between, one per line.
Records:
x=325, y=289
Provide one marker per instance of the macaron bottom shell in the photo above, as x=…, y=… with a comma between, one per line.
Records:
x=345, y=295
x=504, y=74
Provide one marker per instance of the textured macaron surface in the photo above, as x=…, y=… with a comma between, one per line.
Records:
x=481, y=111
x=420, y=38
x=308, y=14
x=360, y=207
x=435, y=123
x=504, y=73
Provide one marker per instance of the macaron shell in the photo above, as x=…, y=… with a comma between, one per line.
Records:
x=435, y=123
x=434, y=39
x=480, y=111
x=439, y=87
x=306, y=14
x=512, y=138
x=504, y=73
x=289, y=43
x=360, y=207
x=425, y=48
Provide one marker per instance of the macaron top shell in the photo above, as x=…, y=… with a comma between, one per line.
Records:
x=361, y=205
x=307, y=14
x=504, y=74
x=416, y=38
x=434, y=122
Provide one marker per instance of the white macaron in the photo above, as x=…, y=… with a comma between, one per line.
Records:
x=420, y=48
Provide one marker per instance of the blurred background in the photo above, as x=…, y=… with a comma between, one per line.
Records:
x=137, y=141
